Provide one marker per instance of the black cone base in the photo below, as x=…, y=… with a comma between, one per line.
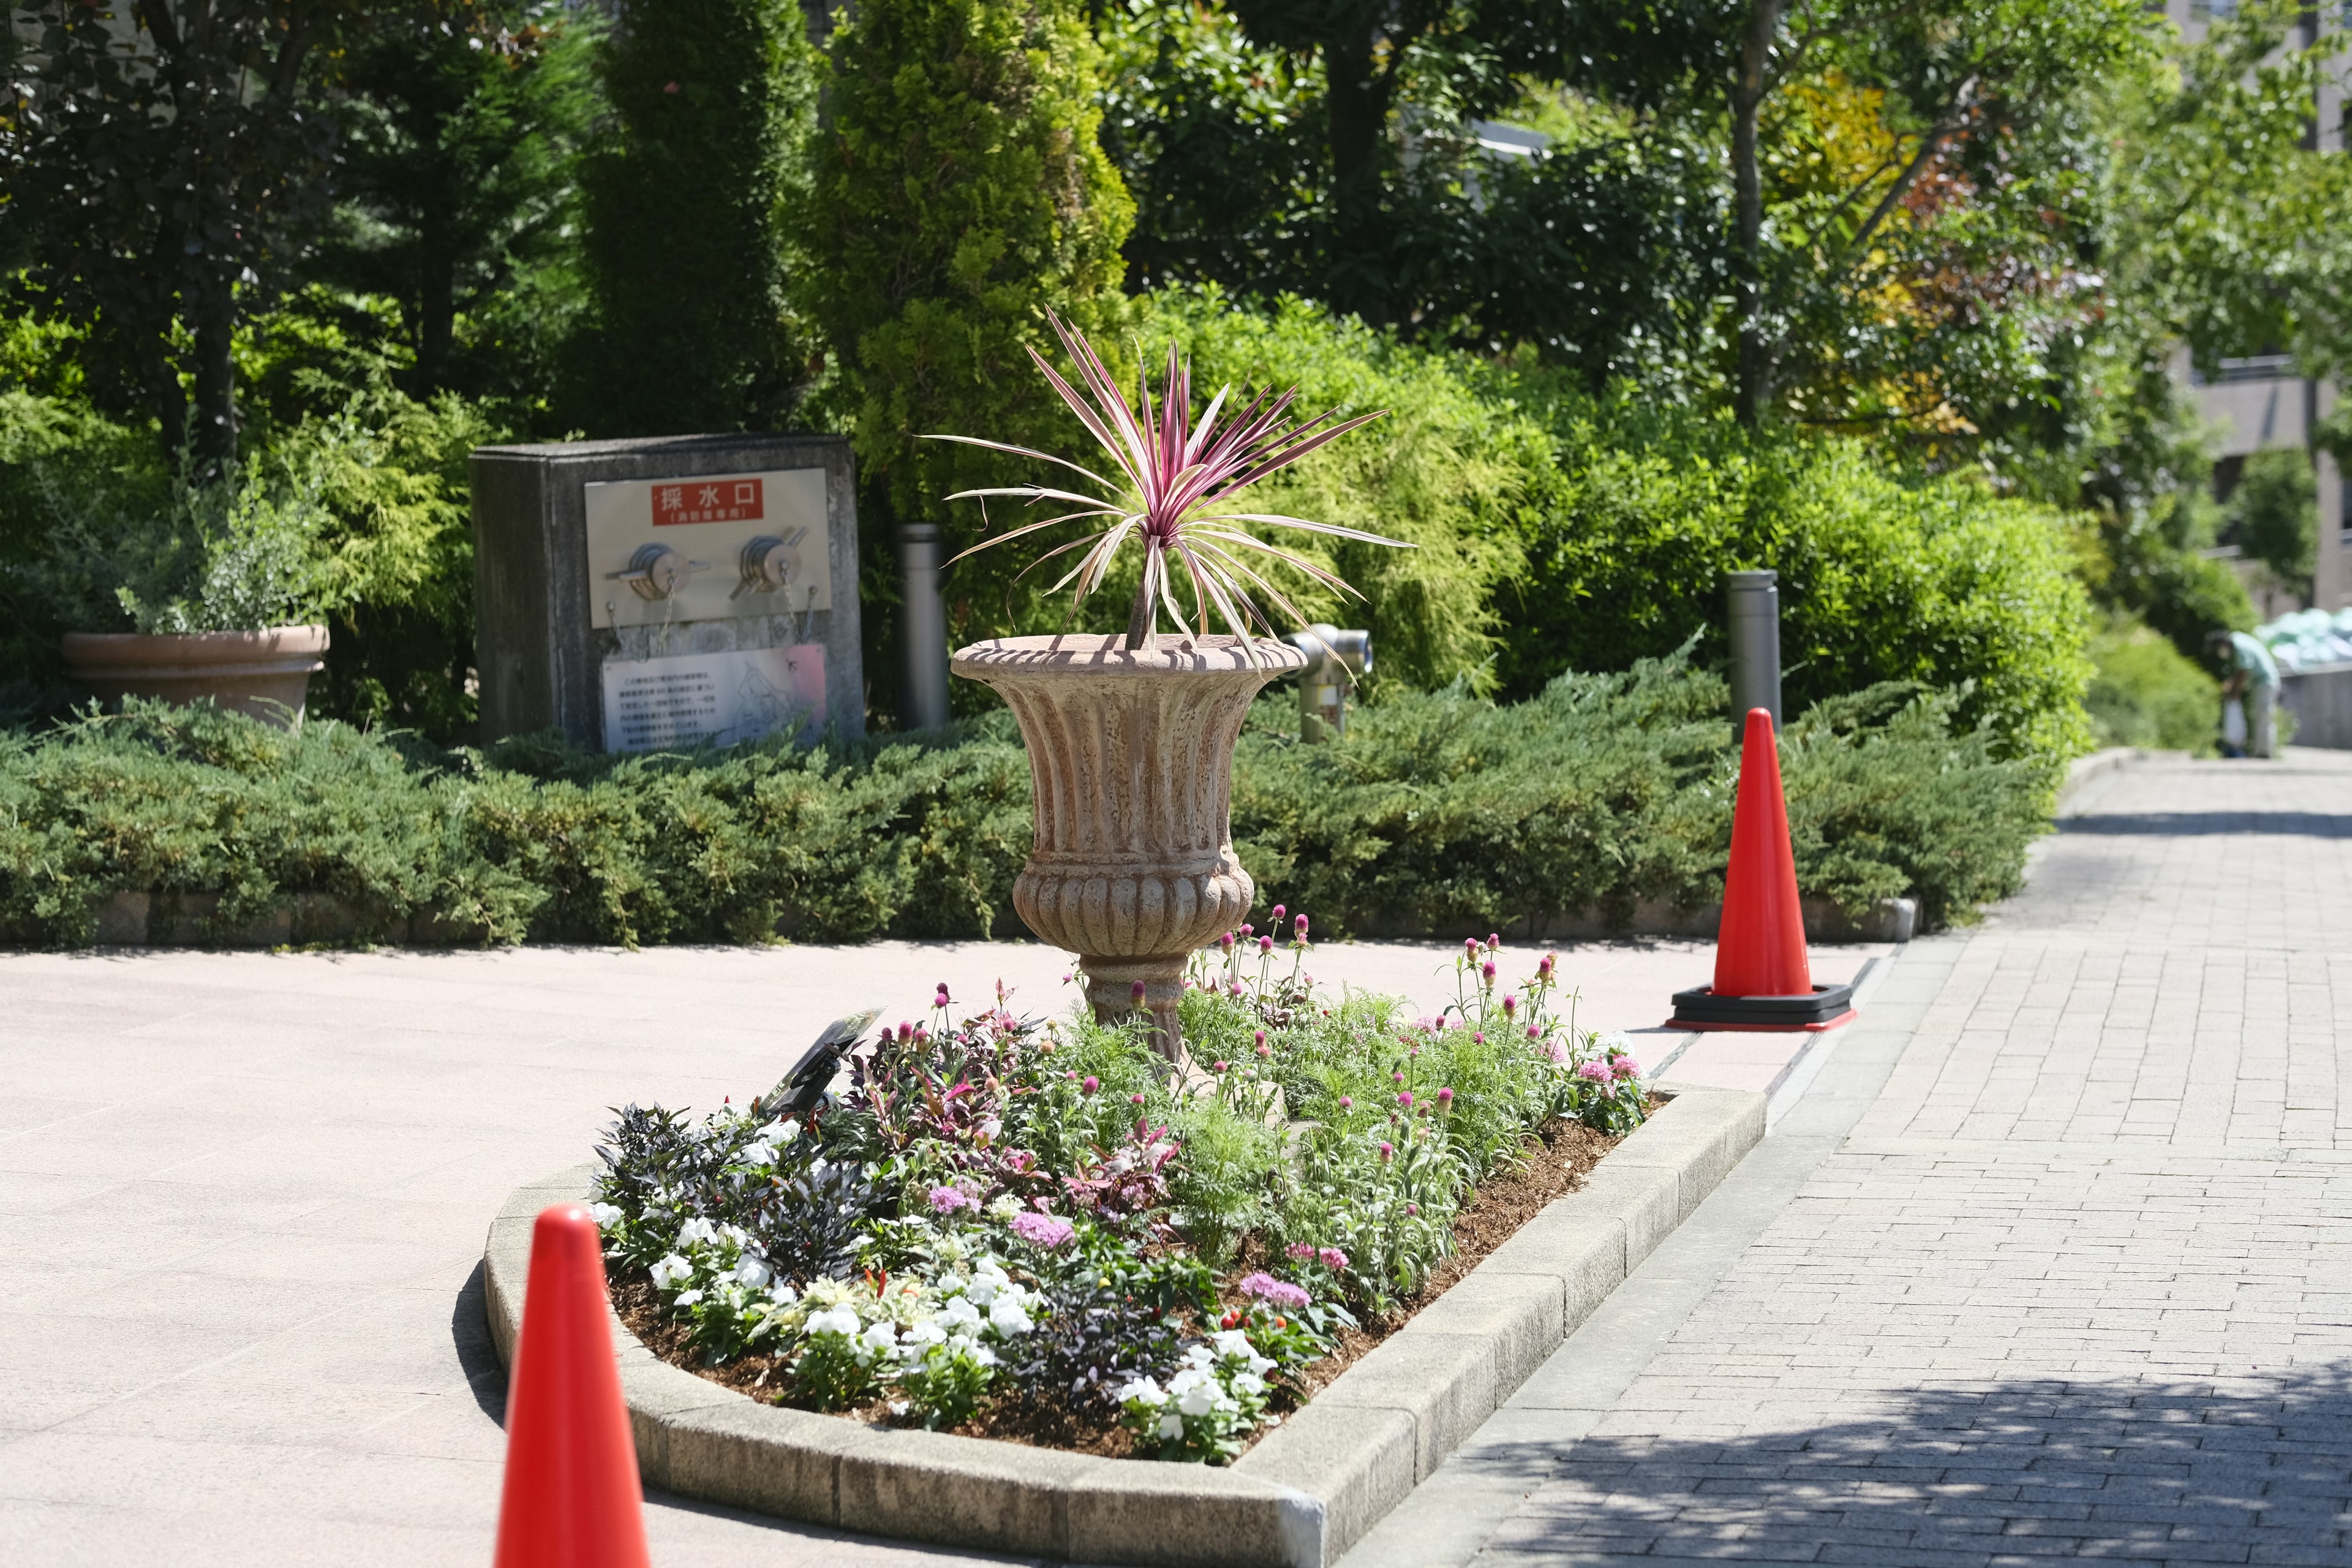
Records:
x=1703, y=1009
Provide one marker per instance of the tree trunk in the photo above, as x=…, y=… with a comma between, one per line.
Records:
x=1755, y=347
x=436, y=318
x=1359, y=99
x=213, y=440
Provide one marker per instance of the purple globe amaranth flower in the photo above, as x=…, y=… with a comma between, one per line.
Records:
x=1470, y=946
x=1510, y=1005
x=946, y=1200
x=1347, y=1102
x=1135, y=1100
x=1479, y=1038
x=1445, y=1096
x=1274, y=1292
x=1486, y=972
x=1092, y=1084
x=1136, y=990
x=1388, y=1152
x=1248, y=930
x=1493, y=941
x=1226, y=941
x=1278, y=912
x=1405, y=1099
x=1413, y=1211
x=1545, y=967
x=1266, y=944
x=1041, y=1229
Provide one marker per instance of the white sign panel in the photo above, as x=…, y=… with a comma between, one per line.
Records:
x=720, y=698
x=711, y=548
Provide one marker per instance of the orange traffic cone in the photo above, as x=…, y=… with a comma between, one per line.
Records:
x=1762, y=979
x=572, y=1499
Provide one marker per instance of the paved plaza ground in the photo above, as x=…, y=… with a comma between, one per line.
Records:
x=2051, y=1255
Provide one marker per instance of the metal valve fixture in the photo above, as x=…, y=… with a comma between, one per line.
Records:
x=656, y=572
x=768, y=563
x=1336, y=661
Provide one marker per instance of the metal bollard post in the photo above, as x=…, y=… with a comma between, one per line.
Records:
x=1755, y=646
x=922, y=630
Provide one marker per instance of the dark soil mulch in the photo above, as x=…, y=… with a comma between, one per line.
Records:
x=1553, y=1164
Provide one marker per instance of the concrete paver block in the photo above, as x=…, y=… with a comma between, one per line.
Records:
x=1358, y=1463
x=963, y=1491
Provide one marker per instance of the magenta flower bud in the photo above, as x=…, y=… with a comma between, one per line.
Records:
x=1135, y=1100
x=1259, y=1036
x=1470, y=945
x=1445, y=1096
x=1486, y=972
x=944, y=990
x=905, y=1030
x=1092, y=1083
x=1347, y=1103
x=1136, y=990
x=1388, y=1152
x=1219, y=1067
x=1298, y=926
x=1510, y=1005
x=1248, y=930
x=1266, y=944
x=1235, y=988
x=1405, y=1099
x=1396, y=1078
x=1534, y=1033
x=1413, y=1210
x=1278, y=912
x=1493, y=942
x=1544, y=968
x=1479, y=1038
x=1226, y=941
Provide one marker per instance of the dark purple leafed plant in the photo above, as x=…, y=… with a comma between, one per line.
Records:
x=1180, y=480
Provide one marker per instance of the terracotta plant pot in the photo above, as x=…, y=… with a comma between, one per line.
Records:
x=1133, y=757
x=264, y=674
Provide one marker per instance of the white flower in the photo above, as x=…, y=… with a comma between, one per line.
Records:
x=735, y=1233
x=783, y=1294
x=694, y=1231
x=897, y=1407
x=1171, y=1427
x=779, y=1132
x=881, y=1336
x=1008, y=1318
x=1261, y=1364
x=985, y=1283
x=1005, y=1206
x=1147, y=1390
x=959, y=1313
x=839, y=1321
x=1231, y=1341
x=606, y=1216
x=1248, y=1383
x=984, y=1356
x=1197, y=1400
x=752, y=1272
x=757, y=1154
x=686, y=1298
x=924, y=1333
x=670, y=1270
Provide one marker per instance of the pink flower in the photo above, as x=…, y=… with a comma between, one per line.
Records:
x=1594, y=1070
x=1510, y=1005
x=1332, y=1257
x=1544, y=968
x=1470, y=946
x=1092, y=1084
x=1041, y=1229
x=1388, y=1152
x=946, y=1200
x=1266, y=944
x=1278, y=912
x=1135, y=1100
x=1298, y=1251
x=1298, y=926
x=1624, y=1067
x=1413, y=1211
x=1226, y=941
x=1273, y=1292
x=1347, y=1102
x=1445, y=1096
x=1405, y=1099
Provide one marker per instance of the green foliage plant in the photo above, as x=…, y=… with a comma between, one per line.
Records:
x=960, y=192
x=690, y=195
x=2273, y=516
x=2147, y=693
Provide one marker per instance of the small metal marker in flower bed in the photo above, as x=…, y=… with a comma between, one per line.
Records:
x=1038, y=1231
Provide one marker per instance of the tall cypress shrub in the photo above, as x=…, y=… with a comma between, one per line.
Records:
x=687, y=199
x=960, y=193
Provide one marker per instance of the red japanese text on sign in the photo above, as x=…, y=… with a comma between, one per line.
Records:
x=709, y=501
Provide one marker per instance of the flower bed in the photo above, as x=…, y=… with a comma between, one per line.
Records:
x=1041, y=1231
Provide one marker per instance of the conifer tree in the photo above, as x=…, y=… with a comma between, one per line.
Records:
x=960, y=193
x=688, y=201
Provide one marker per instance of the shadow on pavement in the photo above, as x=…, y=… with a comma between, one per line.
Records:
x=477, y=1357
x=2241, y=1469
x=2201, y=824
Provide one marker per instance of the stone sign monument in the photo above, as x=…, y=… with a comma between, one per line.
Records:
x=664, y=591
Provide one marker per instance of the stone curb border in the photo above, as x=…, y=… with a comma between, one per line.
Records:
x=1307, y=1492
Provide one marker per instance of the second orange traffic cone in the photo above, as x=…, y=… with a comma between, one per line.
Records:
x=1762, y=977
x=572, y=1499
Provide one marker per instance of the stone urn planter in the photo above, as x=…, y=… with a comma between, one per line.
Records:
x=265, y=675
x=1131, y=756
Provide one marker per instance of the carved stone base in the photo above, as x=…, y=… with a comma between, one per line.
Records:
x=1131, y=758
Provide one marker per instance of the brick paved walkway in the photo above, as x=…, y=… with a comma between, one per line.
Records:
x=2076, y=1281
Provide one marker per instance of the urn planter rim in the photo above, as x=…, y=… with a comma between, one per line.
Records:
x=1100, y=654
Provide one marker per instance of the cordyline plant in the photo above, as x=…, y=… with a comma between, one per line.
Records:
x=1177, y=498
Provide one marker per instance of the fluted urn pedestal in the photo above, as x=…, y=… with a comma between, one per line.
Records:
x=1131, y=755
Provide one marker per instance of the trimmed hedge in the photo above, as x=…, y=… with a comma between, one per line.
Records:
x=1440, y=808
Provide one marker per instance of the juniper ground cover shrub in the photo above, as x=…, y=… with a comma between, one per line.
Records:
x=1441, y=812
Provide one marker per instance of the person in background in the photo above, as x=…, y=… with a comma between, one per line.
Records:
x=2252, y=681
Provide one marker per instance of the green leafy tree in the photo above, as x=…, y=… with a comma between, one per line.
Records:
x=2273, y=516
x=461, y=119
x=961, y=192
x=686, y=194
x=160, y=161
